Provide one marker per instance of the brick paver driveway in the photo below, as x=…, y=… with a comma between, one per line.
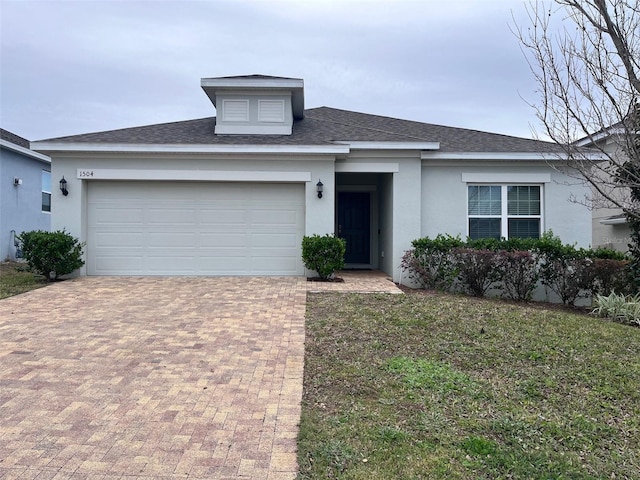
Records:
x=131, y=378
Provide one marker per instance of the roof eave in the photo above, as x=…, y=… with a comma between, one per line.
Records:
x=57, y=147
x=381, y=145
x=25, y=151
x=508, y=156
x=614, y=221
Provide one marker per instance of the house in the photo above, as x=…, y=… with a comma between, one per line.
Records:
x=609, y=224
x=25, y=191
x=234, y=194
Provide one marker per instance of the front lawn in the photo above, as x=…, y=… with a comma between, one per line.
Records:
x=438, y=386
x=16, y=278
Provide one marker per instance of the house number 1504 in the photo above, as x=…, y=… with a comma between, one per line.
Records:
x=85, y=173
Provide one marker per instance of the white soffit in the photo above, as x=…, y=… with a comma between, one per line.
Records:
x=614, y=221
x=508, y=156
x=24, y=151
x=590, y=140
x=249, y=82
x=357, y=145
x=180, y=148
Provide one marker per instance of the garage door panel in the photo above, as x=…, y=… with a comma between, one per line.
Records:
x=171, y=216
x=171, y=239
x=106, y=215
x=105, y=239
x=223, y=217
x=261, y=241
x=168, y=228
x=111, y=265
x=213, y=242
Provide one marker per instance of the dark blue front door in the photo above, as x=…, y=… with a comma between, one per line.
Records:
x=354, y=225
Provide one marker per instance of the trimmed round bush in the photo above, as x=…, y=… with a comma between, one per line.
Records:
x=51, y=254
x=323, y=254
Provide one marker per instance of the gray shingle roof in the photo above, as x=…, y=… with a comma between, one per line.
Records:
x=257, y=76
x=13, y=138
x=321, y=126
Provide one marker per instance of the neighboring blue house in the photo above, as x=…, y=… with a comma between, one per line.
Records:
x=25, y=191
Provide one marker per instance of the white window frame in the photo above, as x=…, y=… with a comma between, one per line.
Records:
x=44, y=191
x=504, y=205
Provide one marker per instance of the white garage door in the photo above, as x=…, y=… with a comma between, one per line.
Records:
x=163, y=228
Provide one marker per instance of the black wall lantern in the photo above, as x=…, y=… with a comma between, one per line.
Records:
x=319, y=187
x=63, y=187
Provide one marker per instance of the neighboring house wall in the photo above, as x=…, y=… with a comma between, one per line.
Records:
x=609, y=227
x=614, y=233
x=20, y=205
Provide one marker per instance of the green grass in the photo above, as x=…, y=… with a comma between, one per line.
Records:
x=15, y=278
x=439, y=386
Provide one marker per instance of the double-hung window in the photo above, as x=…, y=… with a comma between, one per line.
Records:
x=46, y=191
x=504, y=211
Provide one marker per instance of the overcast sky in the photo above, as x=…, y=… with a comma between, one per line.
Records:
x=71, y=67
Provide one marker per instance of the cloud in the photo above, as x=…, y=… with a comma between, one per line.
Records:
x=74, y=66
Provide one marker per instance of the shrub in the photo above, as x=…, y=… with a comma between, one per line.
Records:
x=52, y=254
x=570, y=278
x=520, y=273
x=324, y=254
x=430, y=263
x=565, y=269
x=618, y=307
x=478, y=270
x=610, y=275
x=572, y=273
x=608, y=254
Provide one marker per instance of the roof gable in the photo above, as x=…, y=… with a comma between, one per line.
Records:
x=13, y=138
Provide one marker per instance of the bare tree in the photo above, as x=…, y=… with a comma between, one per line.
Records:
x=585, y=56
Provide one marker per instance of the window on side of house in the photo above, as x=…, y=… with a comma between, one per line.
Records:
x=504, y=211
x=46, y=191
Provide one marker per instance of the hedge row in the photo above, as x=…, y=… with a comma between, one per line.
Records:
x=514, y=268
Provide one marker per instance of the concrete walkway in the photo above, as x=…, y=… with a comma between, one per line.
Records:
x=156, y=378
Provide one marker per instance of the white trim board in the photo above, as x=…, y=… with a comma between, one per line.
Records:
x=178, y=148
x=496, y=178
x=507, y=156
x=191, y=175
x=369, y=167
x=359, y=145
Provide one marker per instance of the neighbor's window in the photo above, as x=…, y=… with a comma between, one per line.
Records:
x=46, y=191
x=504, y=211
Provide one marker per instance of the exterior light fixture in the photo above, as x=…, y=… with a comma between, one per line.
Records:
x=63, y=187
x=319, y=188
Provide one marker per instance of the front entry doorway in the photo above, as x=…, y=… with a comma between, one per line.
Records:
x=354, y=225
